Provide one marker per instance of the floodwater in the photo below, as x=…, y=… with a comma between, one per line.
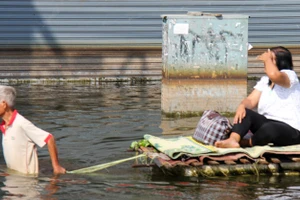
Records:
x=95, y=123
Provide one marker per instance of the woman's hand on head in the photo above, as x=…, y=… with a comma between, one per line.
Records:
x=268, y=55
x=272, y=71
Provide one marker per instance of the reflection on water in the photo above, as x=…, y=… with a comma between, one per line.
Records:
x=17, y=186
x=94, y=124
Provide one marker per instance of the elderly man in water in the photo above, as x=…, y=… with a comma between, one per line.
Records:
x=20, y=138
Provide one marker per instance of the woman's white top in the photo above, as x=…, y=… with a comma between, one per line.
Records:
x=279, y=103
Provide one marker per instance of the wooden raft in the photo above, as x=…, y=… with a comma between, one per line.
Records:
x=228, y=165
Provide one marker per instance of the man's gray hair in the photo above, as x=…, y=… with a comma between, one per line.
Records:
x=8, y=94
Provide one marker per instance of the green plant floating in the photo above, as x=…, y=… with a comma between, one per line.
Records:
x=141, y=143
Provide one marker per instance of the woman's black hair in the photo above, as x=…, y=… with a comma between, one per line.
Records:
x=283, y=59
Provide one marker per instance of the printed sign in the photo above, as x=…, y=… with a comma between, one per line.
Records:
x=181, y=29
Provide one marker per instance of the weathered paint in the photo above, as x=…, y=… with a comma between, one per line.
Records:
x=204, y=63
x=192, y=97
x=205, y=46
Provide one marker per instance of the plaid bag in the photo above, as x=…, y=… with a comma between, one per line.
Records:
x=212, y=127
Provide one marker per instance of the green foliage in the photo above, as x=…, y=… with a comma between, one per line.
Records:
x=135, y=145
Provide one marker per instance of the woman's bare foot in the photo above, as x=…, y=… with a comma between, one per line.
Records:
x=228, y=143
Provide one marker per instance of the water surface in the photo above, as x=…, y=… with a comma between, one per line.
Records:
x=95, y=123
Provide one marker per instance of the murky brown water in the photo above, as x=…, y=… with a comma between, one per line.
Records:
x=95, y=123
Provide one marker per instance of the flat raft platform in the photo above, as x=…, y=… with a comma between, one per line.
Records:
x=272, y=163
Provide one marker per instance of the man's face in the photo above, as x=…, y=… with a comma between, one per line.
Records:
x=3, y=106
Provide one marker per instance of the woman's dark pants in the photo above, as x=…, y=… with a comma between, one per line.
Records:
x=266, y=131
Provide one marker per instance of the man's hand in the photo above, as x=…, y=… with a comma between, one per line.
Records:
x=59, y=170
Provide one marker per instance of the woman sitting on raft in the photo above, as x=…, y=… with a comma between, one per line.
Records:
x=277, y=99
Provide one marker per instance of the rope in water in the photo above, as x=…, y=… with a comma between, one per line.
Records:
x=102, y=166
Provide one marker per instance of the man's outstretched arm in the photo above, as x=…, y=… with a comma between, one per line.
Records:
x=57, y=169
